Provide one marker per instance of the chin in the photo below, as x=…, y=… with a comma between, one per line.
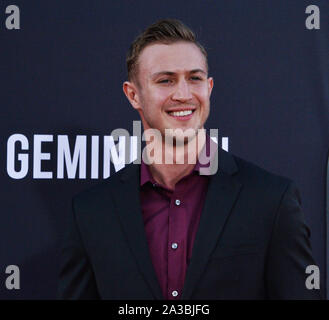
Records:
x=185, y=137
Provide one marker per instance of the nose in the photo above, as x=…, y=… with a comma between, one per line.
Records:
x=182, y=91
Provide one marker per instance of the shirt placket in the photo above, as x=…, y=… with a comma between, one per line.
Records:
x=176, y=245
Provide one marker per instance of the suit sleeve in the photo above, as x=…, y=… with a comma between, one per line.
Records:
x=289, y=252
x=76, y=278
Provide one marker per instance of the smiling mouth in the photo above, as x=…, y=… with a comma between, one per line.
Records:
x=184, y=113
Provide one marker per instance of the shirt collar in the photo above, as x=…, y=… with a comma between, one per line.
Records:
x=146, y=175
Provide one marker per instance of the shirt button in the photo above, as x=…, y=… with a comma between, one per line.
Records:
x=177, y=202
x=174, y=245
x=174, y=293
x=154, y=185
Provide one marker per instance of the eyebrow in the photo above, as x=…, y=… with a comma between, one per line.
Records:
x=170, y=73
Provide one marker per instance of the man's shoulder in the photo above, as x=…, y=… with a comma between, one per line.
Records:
x=250, y=169
x=105, y=189
x=254, y=176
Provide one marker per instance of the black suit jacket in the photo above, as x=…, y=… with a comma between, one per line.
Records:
x=252, y=242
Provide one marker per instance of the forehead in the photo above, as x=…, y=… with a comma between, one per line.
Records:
x=175, y=57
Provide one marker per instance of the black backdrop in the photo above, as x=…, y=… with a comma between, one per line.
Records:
x=62, y=74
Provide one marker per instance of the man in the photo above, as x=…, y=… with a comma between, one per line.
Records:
x=163, y=230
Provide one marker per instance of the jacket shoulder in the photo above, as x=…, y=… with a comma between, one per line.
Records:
x=259, y=178
x=105, y=189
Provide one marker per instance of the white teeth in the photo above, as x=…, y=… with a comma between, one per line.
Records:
x=181, y=113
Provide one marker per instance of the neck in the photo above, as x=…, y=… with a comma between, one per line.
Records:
x=173, y=161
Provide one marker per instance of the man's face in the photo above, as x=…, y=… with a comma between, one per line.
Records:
x=174, y=88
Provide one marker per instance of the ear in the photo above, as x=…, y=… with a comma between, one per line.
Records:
x=132, y=93
x=210, y=85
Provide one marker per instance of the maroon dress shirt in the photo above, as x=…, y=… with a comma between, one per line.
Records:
x=171, y=219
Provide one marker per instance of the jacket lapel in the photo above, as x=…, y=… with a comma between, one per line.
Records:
x=127, y=201
x=222, y=193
